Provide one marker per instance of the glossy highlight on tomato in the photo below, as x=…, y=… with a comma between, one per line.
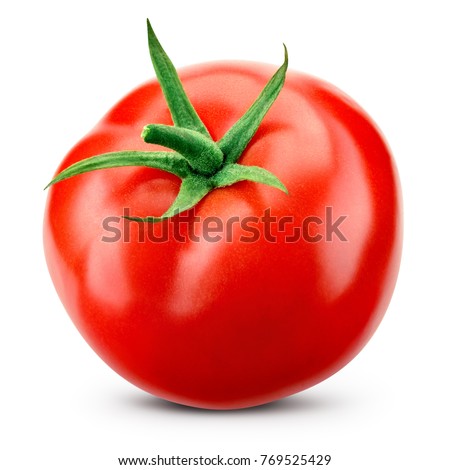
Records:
x=231, y=324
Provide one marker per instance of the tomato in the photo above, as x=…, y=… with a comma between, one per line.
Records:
x=216, y=314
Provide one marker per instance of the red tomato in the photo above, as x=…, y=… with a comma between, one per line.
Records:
x=232, y=323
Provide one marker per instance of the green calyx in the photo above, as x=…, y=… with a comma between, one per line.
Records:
x=202, y=164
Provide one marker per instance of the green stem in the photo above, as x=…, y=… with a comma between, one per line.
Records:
x=166, y=161
x=193, y=189
x=183, y=113
x=202, y=164
x=234, y=142
x=201, y=152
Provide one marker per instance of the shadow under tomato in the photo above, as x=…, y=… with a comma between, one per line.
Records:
x=297, y=403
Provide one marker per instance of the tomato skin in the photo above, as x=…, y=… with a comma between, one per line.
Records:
x=230, y=324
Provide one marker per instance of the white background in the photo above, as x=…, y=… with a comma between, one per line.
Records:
x=63, y=65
